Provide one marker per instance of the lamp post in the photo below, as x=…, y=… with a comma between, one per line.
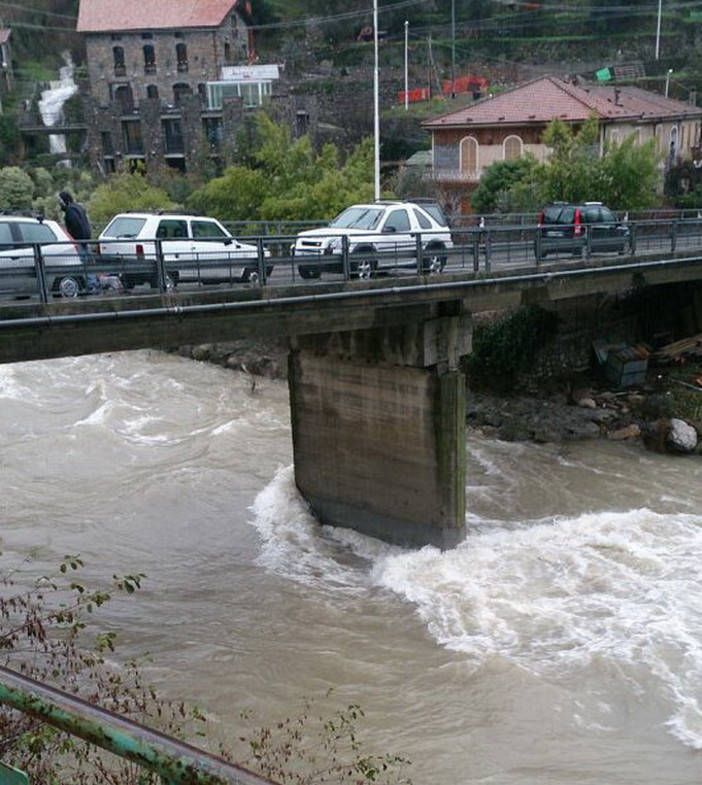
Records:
x=406, y=57
x=658, y=30
x=376, y=104
x=667, y=81
x=453, y=48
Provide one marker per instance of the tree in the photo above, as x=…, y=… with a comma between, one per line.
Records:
x=624, y=176
x=126, y=191
x=16, y=188
x=286, y=179
x=498, y=181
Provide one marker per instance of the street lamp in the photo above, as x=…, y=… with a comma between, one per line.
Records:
x=453, y=48
x=406, y=59
x=658, y=30
x=376, y=104
x=667, y=81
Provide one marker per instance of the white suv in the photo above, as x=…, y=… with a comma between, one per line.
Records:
x=194, y=249
x=23, y=239
x=380, y=235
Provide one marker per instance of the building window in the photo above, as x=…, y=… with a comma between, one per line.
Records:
x=182, y=57
x=115, y=37
x=123, y=94
x=253, y=94
x=133, y=142
x=147, y=36
x=172, y=132
x=107, y=146
x=302, y=123
x=180, y=90
x=213, y=131
x=118, y=60
x=469, y=155
x=152, y=91
x=149, y=59
x=227, y=53
x=512, y=148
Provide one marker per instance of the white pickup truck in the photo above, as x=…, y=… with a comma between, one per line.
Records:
x=380, y=236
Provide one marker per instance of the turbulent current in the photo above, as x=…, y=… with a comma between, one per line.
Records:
x=560, y=643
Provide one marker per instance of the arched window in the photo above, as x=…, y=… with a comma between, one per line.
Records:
x=512, y=148
x=673, y=143
x=123, y=94
x=151, y=91
x=469, y=155
x=118, y=60
x=182, y=57
x=149, y=59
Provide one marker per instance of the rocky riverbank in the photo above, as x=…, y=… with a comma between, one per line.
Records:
x=665, y=412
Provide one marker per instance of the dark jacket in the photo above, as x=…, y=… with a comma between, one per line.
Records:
x=75, y=218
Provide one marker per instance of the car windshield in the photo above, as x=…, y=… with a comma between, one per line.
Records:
x=358, y=218
x=124, y=226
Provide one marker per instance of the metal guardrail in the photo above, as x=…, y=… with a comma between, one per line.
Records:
x=473, y=250
x=175, y=762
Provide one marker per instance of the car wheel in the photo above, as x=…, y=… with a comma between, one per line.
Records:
x=364, y=268
x=171, y=281
x=309, y=272
x=252, y=276
x=433, y=262
x=69, y=286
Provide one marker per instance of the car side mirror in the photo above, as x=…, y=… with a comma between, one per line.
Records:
x=389, y=229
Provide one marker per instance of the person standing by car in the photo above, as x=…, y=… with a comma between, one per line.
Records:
x=76, y=221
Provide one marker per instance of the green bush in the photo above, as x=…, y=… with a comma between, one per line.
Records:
x=506, y=347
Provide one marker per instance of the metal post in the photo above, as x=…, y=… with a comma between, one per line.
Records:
x=406, y=62
x=376, y=103
x=41, y=274
x=174, y=761
x=658, y=30
x=453, y=48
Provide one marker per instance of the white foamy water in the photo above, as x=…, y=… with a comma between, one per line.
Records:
x=560, y=643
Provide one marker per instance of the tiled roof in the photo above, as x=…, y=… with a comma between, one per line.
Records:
x=547, y=98
x=100, y=16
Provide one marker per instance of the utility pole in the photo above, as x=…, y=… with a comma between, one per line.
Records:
x=406, y=63
x=453, y=48
x=658, y=30
x=376, y=104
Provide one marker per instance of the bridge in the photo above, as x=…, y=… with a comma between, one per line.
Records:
x=377, y=391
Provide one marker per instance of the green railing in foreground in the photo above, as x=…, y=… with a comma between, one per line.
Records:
x=176, y=762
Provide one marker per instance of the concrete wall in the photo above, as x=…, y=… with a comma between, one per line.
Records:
x=379, y=434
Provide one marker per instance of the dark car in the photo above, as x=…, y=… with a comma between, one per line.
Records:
x=570, y=228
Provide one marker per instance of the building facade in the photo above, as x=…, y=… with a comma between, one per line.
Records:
x=150, y=69
x=511, y=124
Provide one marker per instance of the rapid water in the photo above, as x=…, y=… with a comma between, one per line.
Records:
x=560, y=643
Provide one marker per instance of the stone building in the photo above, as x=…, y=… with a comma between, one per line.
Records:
x=169, y=80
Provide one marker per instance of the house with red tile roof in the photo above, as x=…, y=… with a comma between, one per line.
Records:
x=512, y=123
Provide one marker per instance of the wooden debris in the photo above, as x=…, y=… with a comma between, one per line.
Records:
x=687, y=347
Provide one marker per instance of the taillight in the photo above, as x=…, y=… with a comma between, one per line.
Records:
x=140, y=250
x=578, y=224
x=541, y=219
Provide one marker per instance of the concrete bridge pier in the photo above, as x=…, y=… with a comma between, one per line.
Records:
x=378, y=425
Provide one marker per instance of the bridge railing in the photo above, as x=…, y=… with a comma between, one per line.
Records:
x=36, y=272
x=174, y=761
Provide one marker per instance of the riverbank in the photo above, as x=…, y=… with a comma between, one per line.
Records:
x=587, y=408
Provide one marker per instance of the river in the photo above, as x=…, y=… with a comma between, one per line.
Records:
x=560, y=643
